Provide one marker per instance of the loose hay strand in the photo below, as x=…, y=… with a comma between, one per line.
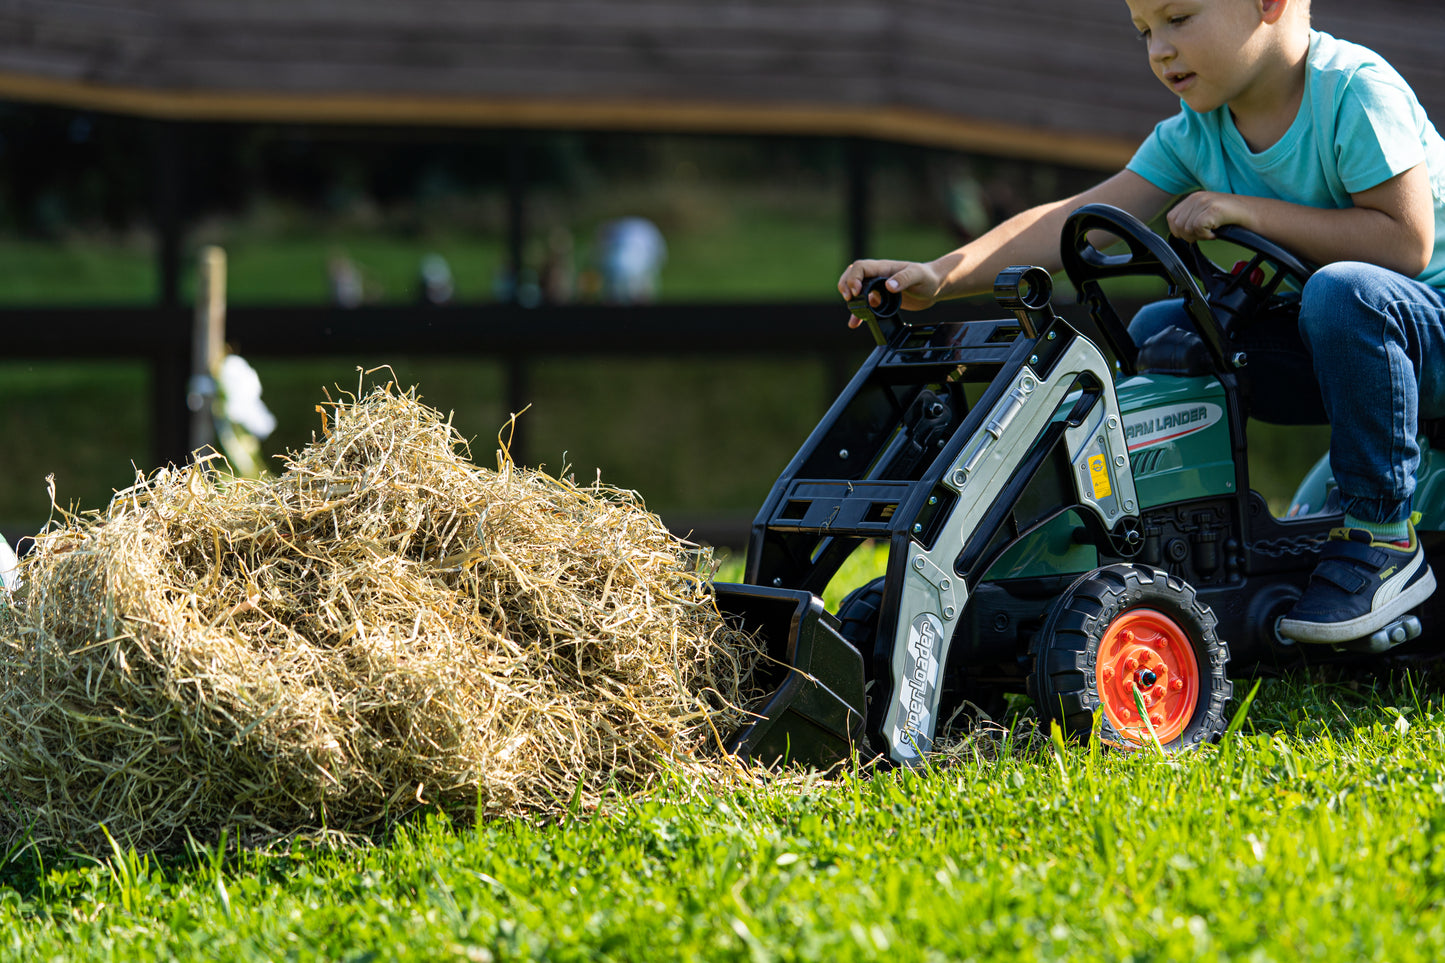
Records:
x=382, y=626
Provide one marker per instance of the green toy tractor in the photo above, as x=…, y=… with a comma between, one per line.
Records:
x=1067, y=511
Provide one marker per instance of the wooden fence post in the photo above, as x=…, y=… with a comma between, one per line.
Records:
x=208, y=347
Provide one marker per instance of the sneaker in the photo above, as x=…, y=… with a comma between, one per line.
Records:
x=1359, y=587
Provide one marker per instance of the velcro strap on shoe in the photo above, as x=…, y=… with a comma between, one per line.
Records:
x=1340, y=574
x=1355, y=552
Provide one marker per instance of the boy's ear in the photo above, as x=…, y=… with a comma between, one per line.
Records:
x=1272, y=11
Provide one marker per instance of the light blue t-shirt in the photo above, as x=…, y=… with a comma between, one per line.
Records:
x=1359, y=124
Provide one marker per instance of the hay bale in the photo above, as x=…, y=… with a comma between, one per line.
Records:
x=383, y=626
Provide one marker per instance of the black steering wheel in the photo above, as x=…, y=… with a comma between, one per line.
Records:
x=1241, y=292
x=1226, y=298
x=1146, y=254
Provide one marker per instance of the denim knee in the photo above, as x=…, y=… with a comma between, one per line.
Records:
x=1332, y=305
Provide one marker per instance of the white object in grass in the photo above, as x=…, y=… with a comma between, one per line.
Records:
x=241, y=394
x=9, y=567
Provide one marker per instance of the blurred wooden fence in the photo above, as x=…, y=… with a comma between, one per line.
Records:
x=514, y=335
x=506, y=333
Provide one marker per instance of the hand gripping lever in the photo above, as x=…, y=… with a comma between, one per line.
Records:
x=888, y=305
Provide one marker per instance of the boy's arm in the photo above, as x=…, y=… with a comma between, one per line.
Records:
x=1031, y=237
x=1392, y=225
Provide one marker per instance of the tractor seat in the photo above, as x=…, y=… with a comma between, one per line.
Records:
x=1173, y=350
x=1167, y=341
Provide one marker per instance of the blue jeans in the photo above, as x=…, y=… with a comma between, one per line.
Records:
x=1377, y=340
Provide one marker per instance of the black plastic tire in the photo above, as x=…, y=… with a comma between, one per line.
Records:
x=858, y=623
x=858, y=617
x=1066, y=674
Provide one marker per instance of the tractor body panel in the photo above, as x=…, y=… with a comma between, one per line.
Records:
x=1178, y=435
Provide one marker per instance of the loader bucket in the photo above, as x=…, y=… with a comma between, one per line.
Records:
x=813, y=715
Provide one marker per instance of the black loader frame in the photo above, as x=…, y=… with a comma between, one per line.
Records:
x=907, y=455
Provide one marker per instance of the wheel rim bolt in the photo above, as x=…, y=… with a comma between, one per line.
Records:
x=1157, y=719
x=1108, y=673
x=1156, y=693
x=1177, y=684
x=1131, y=663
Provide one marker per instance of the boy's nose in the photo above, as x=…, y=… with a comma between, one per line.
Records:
x=1160, y=51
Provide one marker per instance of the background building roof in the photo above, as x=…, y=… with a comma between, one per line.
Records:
x=1052, y=79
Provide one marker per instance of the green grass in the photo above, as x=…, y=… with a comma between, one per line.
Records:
x=697, y=436
x=292, y=269
x=867, y=562
x=1316, y=833
x=77, y=272
x=85, y=422
x=757, y=242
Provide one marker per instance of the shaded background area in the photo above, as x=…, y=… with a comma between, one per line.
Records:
x=755, y=223
x=769, y=142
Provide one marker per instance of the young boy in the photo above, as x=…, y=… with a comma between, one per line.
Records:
x=1321, y=146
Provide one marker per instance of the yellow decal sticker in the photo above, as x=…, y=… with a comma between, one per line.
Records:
x=1099, y=475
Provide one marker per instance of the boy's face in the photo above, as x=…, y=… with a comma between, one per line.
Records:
x=1206, y=51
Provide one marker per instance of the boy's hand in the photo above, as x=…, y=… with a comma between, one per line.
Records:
x=918, y=283
x=1197, y=216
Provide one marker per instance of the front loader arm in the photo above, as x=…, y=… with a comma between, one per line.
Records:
x=985, y=478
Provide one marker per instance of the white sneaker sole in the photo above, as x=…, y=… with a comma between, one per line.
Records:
x=1364, y=625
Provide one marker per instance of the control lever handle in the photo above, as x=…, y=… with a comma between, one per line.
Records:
x=1026, y=290
x=888, y=304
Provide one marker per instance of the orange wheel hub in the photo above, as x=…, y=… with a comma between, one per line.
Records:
x=1148, y=650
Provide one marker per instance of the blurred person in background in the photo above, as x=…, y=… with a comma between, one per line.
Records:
x=344, y=282
x=435, y=280
x=630, y=254
x=558, y=278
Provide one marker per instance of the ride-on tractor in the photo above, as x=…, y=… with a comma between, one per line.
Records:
x=1067, y=512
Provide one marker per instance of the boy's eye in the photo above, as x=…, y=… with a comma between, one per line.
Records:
x=1177, y=20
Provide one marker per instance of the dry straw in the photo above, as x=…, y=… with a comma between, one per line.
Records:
x=383, y=626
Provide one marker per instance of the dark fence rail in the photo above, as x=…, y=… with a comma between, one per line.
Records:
x=514, y=335
x=491, y=329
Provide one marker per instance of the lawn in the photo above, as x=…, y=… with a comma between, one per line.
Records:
x=750, y=242
x=703, y=437
x=1316, y=832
